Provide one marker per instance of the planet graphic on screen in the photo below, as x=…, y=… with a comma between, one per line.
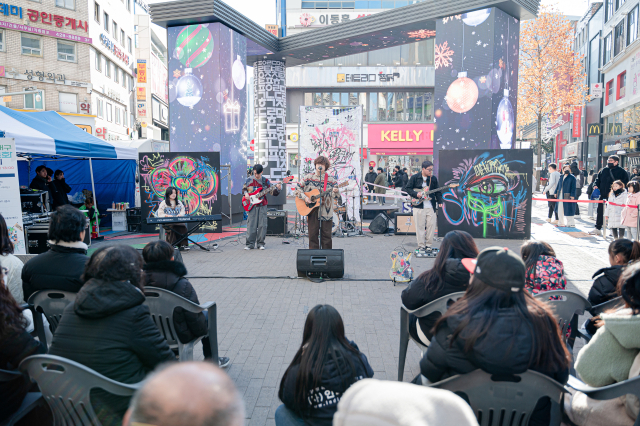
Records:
x=473, y=19
x=238, y=74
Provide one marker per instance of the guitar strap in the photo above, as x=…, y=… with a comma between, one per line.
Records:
x=326, y=178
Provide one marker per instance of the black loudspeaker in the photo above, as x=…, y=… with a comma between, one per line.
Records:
x=380, y=224
x=405, y=224
x=37, y=241
x=276, y=222
x=315, y=263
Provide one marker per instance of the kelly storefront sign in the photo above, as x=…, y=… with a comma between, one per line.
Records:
x=401, y=139
x=9, y=194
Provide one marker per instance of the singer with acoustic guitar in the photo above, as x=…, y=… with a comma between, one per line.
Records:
x=321, y=181
x=257, y=221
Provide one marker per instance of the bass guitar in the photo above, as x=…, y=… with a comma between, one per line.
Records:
x=424, y=195
x=315, y=195
x=256, y=196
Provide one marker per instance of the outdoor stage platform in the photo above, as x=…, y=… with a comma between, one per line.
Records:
x=372, y=209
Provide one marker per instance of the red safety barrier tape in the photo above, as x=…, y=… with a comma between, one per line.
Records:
x=584, y=201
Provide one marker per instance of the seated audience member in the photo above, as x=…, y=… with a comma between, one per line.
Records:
x=15, y=345
x=11, y=265
x=544, y=271
x=109, y=330
x=372, y=402
x=612, y=356
x=321, y=371
x=498, y=327
x=59, y=268
x=162, y=271
x=186, y=393
x=447, y=276
x=621, y=252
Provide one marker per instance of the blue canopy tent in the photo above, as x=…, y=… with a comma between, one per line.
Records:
x=49, y=139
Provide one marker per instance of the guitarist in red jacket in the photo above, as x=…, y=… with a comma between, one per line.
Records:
x=257, y=221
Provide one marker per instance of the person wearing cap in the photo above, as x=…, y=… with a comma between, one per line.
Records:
x=498, y=327
x=425, y=212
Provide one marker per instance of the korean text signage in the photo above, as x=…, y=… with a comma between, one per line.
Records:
x=273, y=29
x=368, y=78
x=43, y=18
x=311, y=20
x=10, y=192
x=114, y=49
x=142, y=70
x=593, y=129
x=401, y=139
x=577, y=122
x=44, y=32
x=142, y=93
x=142, y=109
x=596, y=90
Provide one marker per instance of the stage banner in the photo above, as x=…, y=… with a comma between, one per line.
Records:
x=10, y=193
x=493, y=196
x=336, y=134
x=196, y=175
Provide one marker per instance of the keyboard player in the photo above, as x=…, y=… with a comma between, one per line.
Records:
x=173, y=207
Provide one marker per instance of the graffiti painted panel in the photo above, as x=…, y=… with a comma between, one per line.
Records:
x=336, y=134
x=493, y=199
x=196, y=175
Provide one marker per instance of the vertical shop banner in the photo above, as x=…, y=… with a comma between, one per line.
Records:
x=10, y=194
x=577, y=122
x=493, y=196
x=159, y=78
x=334, y=133
x=142, y=93
x=142, y=70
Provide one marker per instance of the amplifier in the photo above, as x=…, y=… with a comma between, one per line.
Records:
x=35, y=202
x=405, y=224
x=315, y=263
x=36, y=236
x=277, y=222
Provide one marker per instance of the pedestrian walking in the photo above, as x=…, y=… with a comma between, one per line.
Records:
x=575, y=171
x=550, y=191
x=603, y=182
x=617, y=196
x=370, y=177
x=566, y=190
x=630, y=212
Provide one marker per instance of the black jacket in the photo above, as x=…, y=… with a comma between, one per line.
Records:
x=332, y=383
x=39, y=183
x=370, y=178
x=60, y=194
x=13, y=349
x=59, y=268
x=604, y=287
x=109, y=330
x=169, y=275
x=414, y=184
x=603, y=181
x=456, y=278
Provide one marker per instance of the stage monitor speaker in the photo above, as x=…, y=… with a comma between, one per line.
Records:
x=380, y=224
x=276, y=222
x=315, y=263
x=405, y=224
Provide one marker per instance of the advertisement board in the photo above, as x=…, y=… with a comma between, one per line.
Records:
x=159, y=78
x=401, y=139
x=9, y=193
x=142, y=93
x=142, y=71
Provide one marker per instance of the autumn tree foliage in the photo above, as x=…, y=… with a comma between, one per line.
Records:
x=551, y=76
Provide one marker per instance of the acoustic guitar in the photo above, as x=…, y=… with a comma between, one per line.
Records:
x=315, y=195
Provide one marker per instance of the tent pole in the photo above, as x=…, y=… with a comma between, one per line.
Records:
x=95, y=199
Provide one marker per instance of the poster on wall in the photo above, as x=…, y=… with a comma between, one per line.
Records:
x=335, y=134
x=208, y=98
x=493, y=196
x=476, y=81
x=10, y=192
x=196, y=176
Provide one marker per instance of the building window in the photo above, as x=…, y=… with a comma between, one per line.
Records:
x=122, y=37
x=67, y=4
x=622, y=84
x=115, y=30
x=66, y=51
x=619, y=3
x=607, y=49
x=135, y=35
x=107, y=67
x=129, y=45
x=100, y=108
x=34, y=100
x=124, y=117
x=124, y=79
x=96, y=12
x=1, y=40
x=68, y=102
x=129, y=5
x=106, y=22
x=116, y=76
x=609, y=93
x=109, y=112
x=608, y=10
x=632, y=26
x=31, y=44
x=618, y=38
x=117, y=115
x=98, y=62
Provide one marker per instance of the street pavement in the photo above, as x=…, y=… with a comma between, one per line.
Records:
x=262, y=305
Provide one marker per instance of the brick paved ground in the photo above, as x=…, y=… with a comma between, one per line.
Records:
x=260, y=320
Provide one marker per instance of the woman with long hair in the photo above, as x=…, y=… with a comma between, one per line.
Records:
x=621, y=253
x=171, y=206
x=544, y=271
x=15, y=345
x=11, y=265
x=108, y=329
x=447, y=276
x=321, y=371
x=498, y=327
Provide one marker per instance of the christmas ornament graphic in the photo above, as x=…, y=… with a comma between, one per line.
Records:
x=188, y=89
x=473, y=19
x=462, y=94
x=238, y=74
x=505, y=121
x=194, y=46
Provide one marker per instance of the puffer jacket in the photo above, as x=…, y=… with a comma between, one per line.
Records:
x=547, y=275
x=418, y=293
x=630, y=214
x=170, y=275
x=324, y=400
x=604, y=287
x=614, y=213
x=109, y=330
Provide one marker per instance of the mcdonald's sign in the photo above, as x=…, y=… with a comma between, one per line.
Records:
x=593, y=129
x=615, y=129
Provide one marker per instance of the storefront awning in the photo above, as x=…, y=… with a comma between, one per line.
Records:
x=375, y=151
x=400, y=138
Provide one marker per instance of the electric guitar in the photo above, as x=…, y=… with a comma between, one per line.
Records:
x=257, y=196
x=424, y=195
x=315, y=196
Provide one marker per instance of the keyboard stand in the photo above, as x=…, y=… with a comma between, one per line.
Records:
x=186, y=236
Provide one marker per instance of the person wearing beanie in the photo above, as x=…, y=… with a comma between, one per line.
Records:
x=498, y=327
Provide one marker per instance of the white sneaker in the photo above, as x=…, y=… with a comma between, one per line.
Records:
x=261, y=247
x=247, y=248
x=596, y=232
x=555, y=222
x=549, y=220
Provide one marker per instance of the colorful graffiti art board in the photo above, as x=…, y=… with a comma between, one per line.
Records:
x=196, y=175
x=493, y=199
x=336, y=134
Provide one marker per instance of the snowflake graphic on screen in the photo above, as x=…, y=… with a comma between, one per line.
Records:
x=421, y=34
x=443, y=55
x=450, y=18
